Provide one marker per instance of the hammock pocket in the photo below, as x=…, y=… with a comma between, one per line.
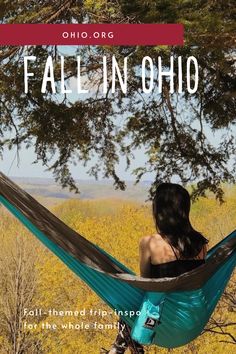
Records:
x=173, y=311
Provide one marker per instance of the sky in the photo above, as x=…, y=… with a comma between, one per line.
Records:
x=10, y=167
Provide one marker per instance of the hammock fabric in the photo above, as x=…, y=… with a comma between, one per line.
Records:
x=189, y=298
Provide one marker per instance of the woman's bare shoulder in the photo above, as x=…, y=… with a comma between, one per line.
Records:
x=150, y=241
x=144, y=242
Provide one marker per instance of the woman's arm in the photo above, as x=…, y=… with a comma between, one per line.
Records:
x=203, y=252
x=145, y=257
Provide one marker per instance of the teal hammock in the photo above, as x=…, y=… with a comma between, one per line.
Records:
x=171, y=312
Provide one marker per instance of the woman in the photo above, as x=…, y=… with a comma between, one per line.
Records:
x=176, y=248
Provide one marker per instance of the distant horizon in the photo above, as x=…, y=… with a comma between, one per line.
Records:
x=105, y=180
x=48, y=188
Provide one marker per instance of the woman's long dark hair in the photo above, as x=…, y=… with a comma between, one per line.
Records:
x=171, y=207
